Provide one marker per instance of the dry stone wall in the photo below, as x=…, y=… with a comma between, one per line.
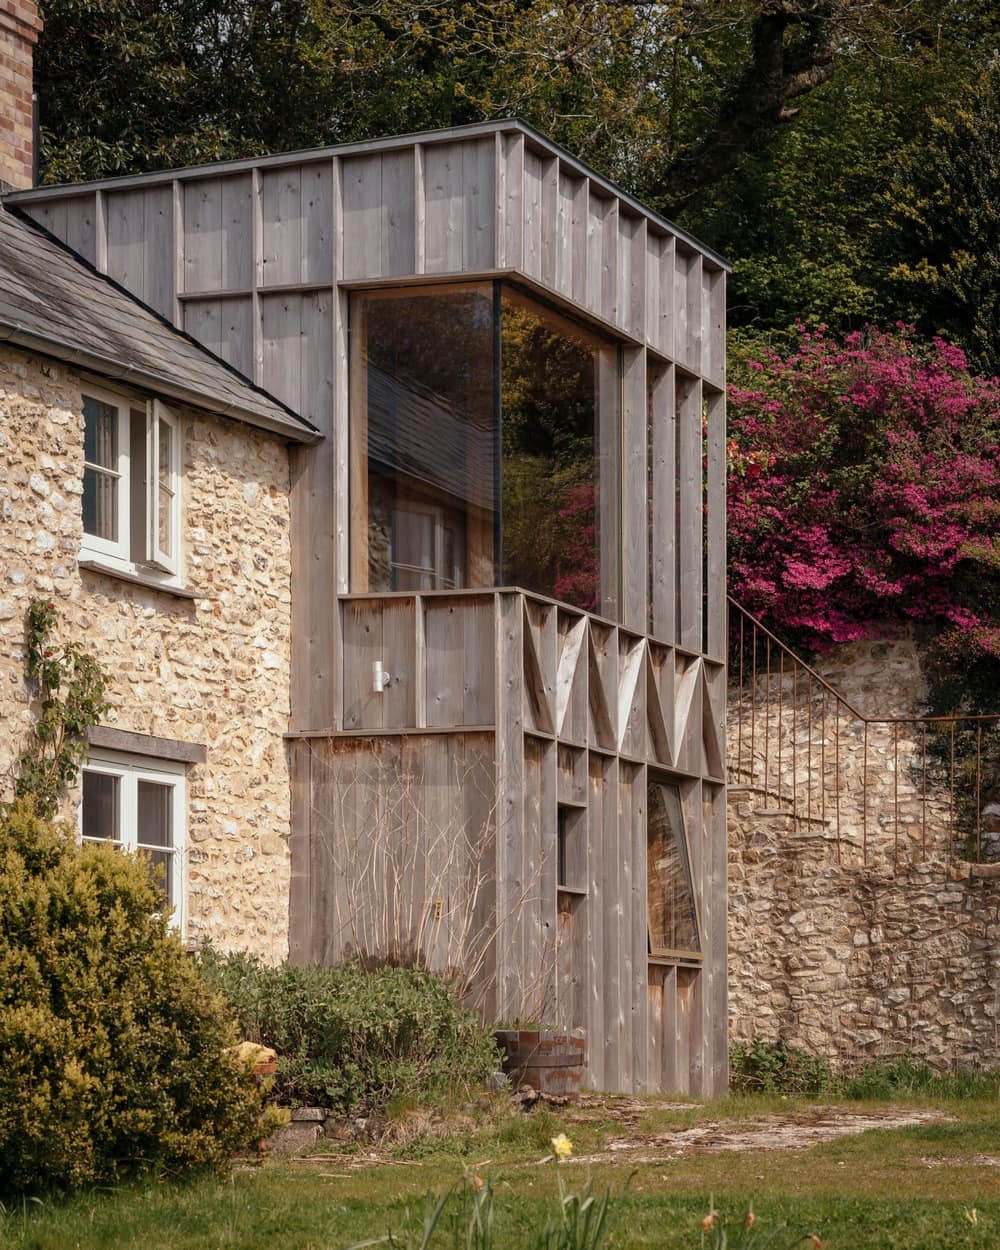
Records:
x=855, y=959
x=213, y=670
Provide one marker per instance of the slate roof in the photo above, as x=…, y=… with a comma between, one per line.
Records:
x=52, y=301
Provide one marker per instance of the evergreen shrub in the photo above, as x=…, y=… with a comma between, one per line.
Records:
x=113, y=1049
x=353, y=1040
x=761, y=1066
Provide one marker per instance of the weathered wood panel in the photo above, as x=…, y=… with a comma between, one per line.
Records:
x=459, y=651
x=141, y=246
x=689, y=584
x=224, y=326
x=635, y=493
x=510, y=888
x=663, y=504
x=531, y=205
x=218, y=244
x=714, y=325
x=459, y=207
x=598, y=899
x=715, y=525
x=399, y=228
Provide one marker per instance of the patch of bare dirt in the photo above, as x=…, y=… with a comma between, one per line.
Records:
x=798, y=1130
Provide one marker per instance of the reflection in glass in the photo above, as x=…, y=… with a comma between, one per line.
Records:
x=100, y=474
x=161, y=864
x=424, y=409
x=100, y=807
x=464, y=474
x=673, y=924
x=551, y=482
x=154, y=806
x=164, y=488
x=153, y=813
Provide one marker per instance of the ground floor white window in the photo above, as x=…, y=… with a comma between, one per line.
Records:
x=138, y=804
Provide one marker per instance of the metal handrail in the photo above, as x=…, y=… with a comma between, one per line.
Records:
x=802, y=744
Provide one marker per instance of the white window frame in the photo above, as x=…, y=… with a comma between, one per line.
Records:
x=131, y=769
x=114, y=549
x=158, y=414
x=118, y=555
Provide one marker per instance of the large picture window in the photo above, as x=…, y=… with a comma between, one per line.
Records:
x=484, y=445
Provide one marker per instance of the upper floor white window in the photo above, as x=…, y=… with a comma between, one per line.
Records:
x=138, y=804
x=131, y=483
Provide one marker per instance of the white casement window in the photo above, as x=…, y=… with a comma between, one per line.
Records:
x=137, y=804
x=131, y=483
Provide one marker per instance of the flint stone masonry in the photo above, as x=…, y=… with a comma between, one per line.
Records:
x=212, y=670
x=854, y=961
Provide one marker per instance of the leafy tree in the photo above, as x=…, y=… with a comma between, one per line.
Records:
x=769, y=127
x=944, y=223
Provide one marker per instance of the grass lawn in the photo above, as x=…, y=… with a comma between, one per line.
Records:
x=932, y=1183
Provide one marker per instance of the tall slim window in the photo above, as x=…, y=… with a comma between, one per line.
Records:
x=478, y=456
x=671, y=912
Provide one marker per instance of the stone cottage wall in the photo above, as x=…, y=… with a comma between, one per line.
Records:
x=214, y=670
x=855, y=960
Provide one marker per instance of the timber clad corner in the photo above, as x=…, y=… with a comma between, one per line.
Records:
x=508, y=599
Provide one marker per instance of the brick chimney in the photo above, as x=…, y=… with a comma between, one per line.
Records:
x=19, y=27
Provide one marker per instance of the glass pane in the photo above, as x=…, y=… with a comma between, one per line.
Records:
x=100, y=433
x=153, y=808
x=100, y=805
x=424, y=434
x=100, y=504
x=161, y=870
x=672, y=923
x=551, y=479
x=164, y=529
x=166, y=435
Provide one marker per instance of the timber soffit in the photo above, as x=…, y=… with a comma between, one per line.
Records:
x=425, y=137
x=54, y=302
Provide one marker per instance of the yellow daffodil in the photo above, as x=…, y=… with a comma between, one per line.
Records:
x=562, y=1146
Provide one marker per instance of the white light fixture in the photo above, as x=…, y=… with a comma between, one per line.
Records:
x=380, y=678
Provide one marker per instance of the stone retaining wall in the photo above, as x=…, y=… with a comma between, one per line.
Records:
x=855, y=960
x=214, y=670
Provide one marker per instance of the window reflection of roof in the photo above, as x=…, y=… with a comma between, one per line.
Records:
x=422, y=436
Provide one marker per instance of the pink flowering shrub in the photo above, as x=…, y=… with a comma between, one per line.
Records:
x=864, y=490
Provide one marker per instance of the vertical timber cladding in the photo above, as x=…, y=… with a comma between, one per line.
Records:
x=256, y=259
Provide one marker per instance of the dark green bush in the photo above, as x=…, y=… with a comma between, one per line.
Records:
x=112, y=1047
x=762, y=1066
x=353, y=1040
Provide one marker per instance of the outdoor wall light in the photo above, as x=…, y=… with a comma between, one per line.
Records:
x=380, y=678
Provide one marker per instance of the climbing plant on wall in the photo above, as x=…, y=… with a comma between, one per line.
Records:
x=70, y=686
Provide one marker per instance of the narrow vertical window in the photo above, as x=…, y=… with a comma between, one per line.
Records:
x=105, y=477
x=162, y=504
x=672, y=916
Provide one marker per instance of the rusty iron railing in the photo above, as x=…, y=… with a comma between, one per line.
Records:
x=889, y=789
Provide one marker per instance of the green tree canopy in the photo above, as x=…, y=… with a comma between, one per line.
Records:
x=774, y=129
